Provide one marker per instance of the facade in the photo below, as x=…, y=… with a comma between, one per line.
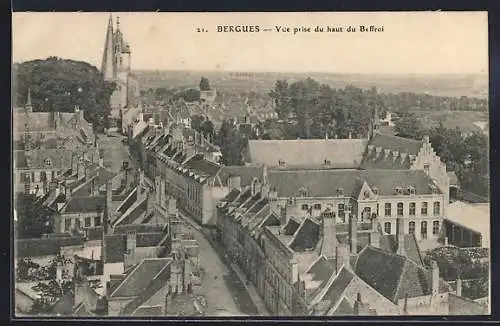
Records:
x=316, y=265
x=45, y=144
x=116, y=67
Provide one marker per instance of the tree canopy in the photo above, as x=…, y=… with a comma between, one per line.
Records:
x=33, y=218
x=233, y=144
x=59, y=85
x=313, y=110
x=204, y=84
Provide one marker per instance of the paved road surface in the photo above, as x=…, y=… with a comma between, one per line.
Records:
x=221, y=287
x=115, y=152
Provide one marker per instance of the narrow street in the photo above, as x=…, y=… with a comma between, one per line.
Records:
x=221, y=286
x=114, y=151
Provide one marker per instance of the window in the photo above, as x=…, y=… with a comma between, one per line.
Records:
x=423, y=229
x=411, y=190
x=366, y=194
x=412, y=209
x=97, y=221
x=387, y=227
x=88, y=222
x=48, y=162
x=43, y=176
x=411, y=228
x=426, y=167
x=399, y=191
x=400, y=209
x=77, y=224
x=341, y=209
x=305, y=207
x=423, y=209
x=366, y=213
x=437, y=208
x=435, y=227
x=67, y=224
x=317, y=206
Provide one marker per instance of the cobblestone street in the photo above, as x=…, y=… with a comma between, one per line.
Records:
x=221, y=286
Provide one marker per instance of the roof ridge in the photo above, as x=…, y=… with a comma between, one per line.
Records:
x=400, y=280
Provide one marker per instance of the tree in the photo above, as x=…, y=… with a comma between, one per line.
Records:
x=204, y=84
x=207, y=128
x=60, y=85
x=33, y=218
x=233, y=144
x=409, y=126
x=196, y=122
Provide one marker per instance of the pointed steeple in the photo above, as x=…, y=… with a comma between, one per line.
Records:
x=107, y=67
x=28, y=106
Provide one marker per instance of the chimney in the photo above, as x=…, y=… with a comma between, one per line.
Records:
x=109, y=199
x=265, y=175
x=283, y=213
x=265, y=190
x=162, y=193
x=81, y=171
x=360, y=309
x=234, y=182
x=378, y=150
x=459, y=285
x=434, y=278
x=425, y=139
x=94, y=190
x=400, y=235
x=403, y=156
x=395, y=155
x=350, y=135
x=375, y=234
x=387, y=152
x=329, y=246
x=353, y=233
x=131, y=243
x=172, y=208
x=445, y=241
x=141, y=116
x=53, y=188
x=405, y=305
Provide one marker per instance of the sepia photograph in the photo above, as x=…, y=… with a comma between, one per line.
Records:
x=250, y=164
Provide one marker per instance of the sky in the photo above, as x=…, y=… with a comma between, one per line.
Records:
x=418, y=42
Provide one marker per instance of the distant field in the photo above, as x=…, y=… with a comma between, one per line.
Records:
x=452, y=119
x=442, y=85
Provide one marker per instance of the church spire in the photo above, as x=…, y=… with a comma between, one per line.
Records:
x=108, y=54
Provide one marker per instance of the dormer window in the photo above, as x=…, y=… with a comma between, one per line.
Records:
x=426, y=166
x=48, y=162
x=411, y=190
x=399, y=191
x=375, y=190
x=366, y=194
x=281, y=162
x=303, y=192
x=328, y=162
x=340, y=192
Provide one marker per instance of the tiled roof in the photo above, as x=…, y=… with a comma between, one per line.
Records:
x=149, y=239
x=291, y=226
x=134, y=214
x=202, y=166
x=246, y=173
x=306, y=237
x=379, y=161
x=85, y=204
x=344, y=308
x=104, y=176
x=392, y=275
x=389, y=242
x=45, y=246
x=346, y=153
x=395, y=143
x=59, y=159
x=115, y=246
x=323, y=183
x=380, y=270
x=140, y=277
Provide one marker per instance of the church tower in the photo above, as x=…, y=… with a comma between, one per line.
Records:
x=116, y=68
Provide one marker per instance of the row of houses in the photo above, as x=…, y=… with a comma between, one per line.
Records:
x=122, y=262
x=308, y=264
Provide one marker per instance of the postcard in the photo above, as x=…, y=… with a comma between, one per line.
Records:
x=250, y=164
